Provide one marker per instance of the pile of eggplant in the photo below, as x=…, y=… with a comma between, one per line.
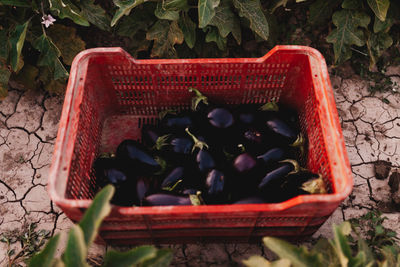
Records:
x=211, y=154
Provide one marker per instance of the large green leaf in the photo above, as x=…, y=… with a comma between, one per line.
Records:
x=95, y=14
x=329, y=258
x=352, y=4
x=140, y=18
x=129, y=258
x=383, y=26
x=226, y=21
x=17, y=3
x=124, y=8
x=163, y=258
x=95, y=214
x=347, y=33
x=298, y=256
x=321, y=11
x=67, y=41
x=175, y=4
x=188, y=29
x=27, y=76
x=76, y=251
x=64, y=9
x=162, y=12
x=46, y=257
x=4, y=45
x=214, y=36
x=165, y=36
x=258, y=261
x=17, y=40
x=4, y=77
x=377, y=43
x=206, y=10
x=252, y=10
x=380, y=8
x=49, y=56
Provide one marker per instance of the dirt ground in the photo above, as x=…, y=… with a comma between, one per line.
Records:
x=28, y=128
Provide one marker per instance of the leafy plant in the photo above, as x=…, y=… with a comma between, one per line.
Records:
x=345, y=249
x=83, y=234
x=31, y=241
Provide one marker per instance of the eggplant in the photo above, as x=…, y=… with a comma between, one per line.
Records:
x=244, y=162
x=150, y=135
x=182, y=145
x=250, y=200
x=166, y=200
x=215, y=182
x=282, y=129
x=173, y=122
x=204, y=160
x=220, y=118
x=173, y=178
x=272, y=155
x=287, y=167
x=136, y=157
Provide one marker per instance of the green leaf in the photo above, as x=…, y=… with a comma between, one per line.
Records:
x=67, y=41
x=49, y=84
x=252, y=10
x=321, y=11
x=298, y=256
x=95, y=14
x=95, y=214
x=363, y=247
x=226, y=21
x=188, y=29
x=352, y=4
x=175, y=4
x=206, y=9
x=132, y=257
x=76, y=250
x=383, y=26
x=49, y=56
x=140, y=18
x=347, y=33
x=258, y=261
x=214, y=36
x=341, y=244
x=46, y=257
x=58, y=263
x=163, y=258
x=17, y=40
x=165, y=36
x=377, y=43
x=124, y=8
x=380, y=8
x=66, y=10
x=27, y=76
x=4, y=44
x=323, y=247
x=163, y=13
x=17, y=3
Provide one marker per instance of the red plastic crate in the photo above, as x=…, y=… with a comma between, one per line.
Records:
x=110, y=96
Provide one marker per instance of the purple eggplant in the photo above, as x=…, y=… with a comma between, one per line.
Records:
x=204, y=160
x=173, y=178
x=182, y=145
x=177, y=121
x=135, y=156
x=166, y=200
x=281, y=172
x=150, y=134
x=190, y=191
x=272, y=155
x=244, y=162
x=250, y=200
x=220, y=118
x=215, y=182
x=280, y=128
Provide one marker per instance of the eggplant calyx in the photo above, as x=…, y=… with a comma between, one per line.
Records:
x=196, y=199
x=162, y=141
x=162, y=163
x=197, y=143
x=270, y=106
x=315, y=186
x=296, y=165
x=171, y=188
x=299, y=142
x=164, y=113
x=196, y=100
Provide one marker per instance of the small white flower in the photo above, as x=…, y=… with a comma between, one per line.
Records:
x=48, y=20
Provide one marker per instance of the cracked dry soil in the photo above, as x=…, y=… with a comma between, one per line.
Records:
x=28, y=128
